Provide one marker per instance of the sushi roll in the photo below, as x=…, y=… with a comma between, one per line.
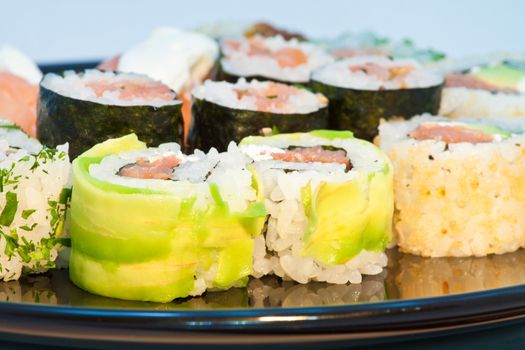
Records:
x=223, y=111
x=486, y=91
x=273, y=58
x=89, y=107
x=19, y=78
x=350, y=44
x=329, y=198
x=153, y=224
x=363, y=90
x=459, y=188
x=34, y=196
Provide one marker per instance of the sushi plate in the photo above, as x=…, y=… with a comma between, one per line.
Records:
x=466, y=302
x=415, y=301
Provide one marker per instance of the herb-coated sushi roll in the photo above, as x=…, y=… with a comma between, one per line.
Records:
x=223, y=111
x=486, y=91
x=273, y=58
x=89, y=107
x=19, y=78
x=363, y=90
x=153, y=224
x=459, y=187
x=329, y=198
x=33, y=201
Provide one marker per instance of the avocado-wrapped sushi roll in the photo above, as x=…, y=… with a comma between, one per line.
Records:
x=459, y=188
x=33, y=202
x=89, y=107
x=224, y=112
x=486, y=91
x=153, y=224
x=329, y=198
x=272, y=58
x=363, y=90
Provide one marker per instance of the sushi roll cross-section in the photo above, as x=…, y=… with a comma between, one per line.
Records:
x=459, y=187
x=363, y=90
x=486, y=91
x=153, y=224
x=272, y=58
x=89, y=107
x=224, y=111
x=329, y=198
x=34, y=195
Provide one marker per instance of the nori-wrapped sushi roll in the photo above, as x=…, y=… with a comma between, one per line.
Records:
x=86, y=108
x=363, y=90
x=224, y=112
x=273, y=58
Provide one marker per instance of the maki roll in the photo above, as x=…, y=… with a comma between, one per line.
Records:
x=153, y=224
x=19, y=78
x=486, y=91
x=350, y=44
x=363, y=90
x=330, y=202
x=459, y=187
x=223, y=111
x=33, y=202
x=273, y=58
x=89, y=107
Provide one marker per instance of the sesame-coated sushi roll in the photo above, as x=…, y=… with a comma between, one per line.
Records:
x=329, y=198
x=459, y=188
x=154, y=224
x=363, y=90
x=225, y=112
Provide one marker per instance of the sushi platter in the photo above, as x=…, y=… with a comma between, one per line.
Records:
x=213, y=188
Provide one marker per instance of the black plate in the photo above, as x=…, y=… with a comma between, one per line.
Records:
x=414, y=297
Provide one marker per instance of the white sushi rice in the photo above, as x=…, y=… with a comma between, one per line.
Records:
x=279, y=252
x=178, y=58
x=239, y=63
x=339, y=74
x=224, y=94
x=457, y=102
x=73, y=85
x=192, y=178
x=32, y=179
x=460, y=199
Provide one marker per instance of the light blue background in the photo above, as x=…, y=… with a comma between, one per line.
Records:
x=58, y=30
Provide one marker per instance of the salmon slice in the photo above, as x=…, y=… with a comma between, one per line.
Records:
x=450, y=134
x=471, y=82
x=382, y=72
x=18, y=101
x=288, y=57
x=161, y=168
x=111, y=64
x=274, y=96
x=348, y=53
x=130, y=89
x=313, y=154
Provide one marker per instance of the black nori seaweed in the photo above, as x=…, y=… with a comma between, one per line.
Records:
x=361, y=110
x=214, y=125
x=84, y=123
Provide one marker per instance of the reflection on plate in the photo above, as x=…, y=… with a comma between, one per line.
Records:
x=407, y=277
